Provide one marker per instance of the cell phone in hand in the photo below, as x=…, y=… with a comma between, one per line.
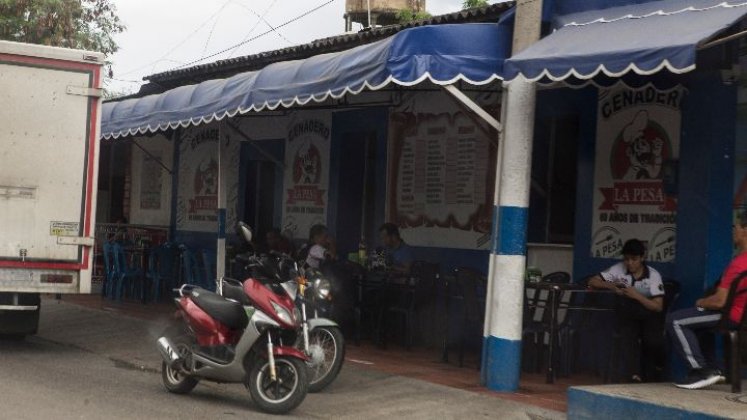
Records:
x=621, y=285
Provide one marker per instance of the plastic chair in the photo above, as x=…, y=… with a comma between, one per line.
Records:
x=190, y=267
x=472, y=286
x=110, y=272
x=209, y=268
x=733, y=337
x=161, y=269
x=405, y=303
x=126, y=274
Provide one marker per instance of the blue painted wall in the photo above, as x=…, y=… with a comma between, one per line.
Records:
x=706, y=187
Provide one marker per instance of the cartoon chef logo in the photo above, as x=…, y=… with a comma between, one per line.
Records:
x=307, y=165
x=206, y=177
x=205, y=187
x=639, y=150
x=638, y=153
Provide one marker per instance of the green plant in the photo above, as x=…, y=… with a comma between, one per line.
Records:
x=409, y=15
x=83, y=24
x=469, y=4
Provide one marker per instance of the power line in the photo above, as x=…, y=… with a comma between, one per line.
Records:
x=262, y=18
x=182, y=42
x=212, y=28
x=303, y=15
x=256, y=24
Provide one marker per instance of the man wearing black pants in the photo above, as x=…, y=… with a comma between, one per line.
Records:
x=685, y=325
x=639, y=312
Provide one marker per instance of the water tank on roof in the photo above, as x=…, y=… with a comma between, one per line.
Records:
x=383, y=12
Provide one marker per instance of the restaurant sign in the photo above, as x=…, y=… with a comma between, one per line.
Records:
x=306, y=180
x=197, y=200
x=638, y=135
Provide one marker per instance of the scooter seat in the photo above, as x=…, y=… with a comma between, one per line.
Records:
x=236, y=293
x=227, y=312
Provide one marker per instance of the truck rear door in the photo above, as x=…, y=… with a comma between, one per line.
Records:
x=48, y=167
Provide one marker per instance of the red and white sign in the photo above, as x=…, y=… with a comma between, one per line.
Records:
x=306, y=180
x=198, y=173
x=638, y=135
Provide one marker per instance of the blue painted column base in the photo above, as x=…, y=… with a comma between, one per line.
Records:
x=501, y=364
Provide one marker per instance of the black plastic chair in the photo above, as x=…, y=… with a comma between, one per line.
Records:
x=474, y=286
x=560, y=277
x=404, y=300
x=734, y=336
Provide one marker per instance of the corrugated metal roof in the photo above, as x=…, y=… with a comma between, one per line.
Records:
x=225, y=68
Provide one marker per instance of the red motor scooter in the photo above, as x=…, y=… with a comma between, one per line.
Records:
x=221, y=340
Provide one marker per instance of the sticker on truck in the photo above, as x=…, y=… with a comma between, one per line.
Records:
x=17, y=192
x=64, y=228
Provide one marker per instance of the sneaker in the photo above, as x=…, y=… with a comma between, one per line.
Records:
x=721, y=377
x=700, y=378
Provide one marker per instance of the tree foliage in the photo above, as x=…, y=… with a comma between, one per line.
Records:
x=409, y=15
x=82, y=24
x=469, y=4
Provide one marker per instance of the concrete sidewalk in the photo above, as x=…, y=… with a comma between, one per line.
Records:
x=358, y=392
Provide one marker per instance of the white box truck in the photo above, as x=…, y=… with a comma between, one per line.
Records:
x=50, y=102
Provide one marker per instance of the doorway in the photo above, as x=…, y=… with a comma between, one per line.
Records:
x=261, y=184
x=359, y=137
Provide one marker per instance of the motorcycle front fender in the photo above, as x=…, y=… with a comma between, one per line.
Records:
x=321, y=322
x=288, y=351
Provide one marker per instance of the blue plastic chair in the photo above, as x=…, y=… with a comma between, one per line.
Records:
x=190, y=268
x=208, y=268
x=161, y=269
x=126, y=275
x=109, y=270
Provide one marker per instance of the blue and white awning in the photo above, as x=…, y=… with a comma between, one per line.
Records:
x=442, y=54
x=641, y=38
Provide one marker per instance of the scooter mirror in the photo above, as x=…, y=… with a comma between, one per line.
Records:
x=246, y=232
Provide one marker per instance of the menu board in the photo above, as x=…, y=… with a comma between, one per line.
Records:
x=440, y=168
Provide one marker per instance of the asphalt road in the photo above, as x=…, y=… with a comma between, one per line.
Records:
x=42, y=379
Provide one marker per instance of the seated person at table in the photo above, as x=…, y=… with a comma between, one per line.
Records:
x=321, y=247
x=685, y=325
x=640, y=312
x=399, y=254
x=277, y=242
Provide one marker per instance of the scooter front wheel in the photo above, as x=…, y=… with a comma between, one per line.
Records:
x=327, y=350
x=283, y=394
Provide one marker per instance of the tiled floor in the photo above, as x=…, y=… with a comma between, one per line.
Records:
x=418, y=363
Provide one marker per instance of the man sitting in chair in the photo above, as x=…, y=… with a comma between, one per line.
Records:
x=639, y=313
x=684, y=325
x=399, y=254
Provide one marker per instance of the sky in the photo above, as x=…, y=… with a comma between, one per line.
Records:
x=163, y=35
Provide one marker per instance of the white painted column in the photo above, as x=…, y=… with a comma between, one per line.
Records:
x=501, y=362
x=220, y=252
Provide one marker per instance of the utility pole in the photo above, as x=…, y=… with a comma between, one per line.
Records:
x=501, y=364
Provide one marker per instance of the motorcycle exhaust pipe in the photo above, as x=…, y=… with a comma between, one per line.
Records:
x=168, y=352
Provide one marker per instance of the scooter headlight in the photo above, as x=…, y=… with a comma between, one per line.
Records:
x=283, y=314
x=322, y=288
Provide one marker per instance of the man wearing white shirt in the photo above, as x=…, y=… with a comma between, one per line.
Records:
x=639, y=314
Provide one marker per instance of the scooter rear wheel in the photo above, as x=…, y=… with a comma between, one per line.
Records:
x=283, y=394
x=174, y=380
